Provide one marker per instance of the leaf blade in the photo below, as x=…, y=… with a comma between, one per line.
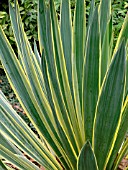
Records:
x=86, y=159
x=109, y=106
x=91, y=82
x=121, y=134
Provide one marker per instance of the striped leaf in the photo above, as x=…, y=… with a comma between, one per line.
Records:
x=91, y=76
x=121, y=154
x=64, y=83
x=104, y=12
x=59, y=88
x=79, y=43
x=106, y=49
x=46, y=15
x=126, y=89
x=86, y=159
x=24, y=93
x=55, y=97
x=121, y=134
x=17, y=160
x=91, y=13
x=108, y=117
x=2, y=166
x=124, y=35
x=17, y=131
x=66, y=24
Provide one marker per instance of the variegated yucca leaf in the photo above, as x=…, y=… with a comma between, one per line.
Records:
x=86, y=159
x=73, y=87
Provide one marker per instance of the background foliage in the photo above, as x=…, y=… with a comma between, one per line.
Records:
x=28, y=9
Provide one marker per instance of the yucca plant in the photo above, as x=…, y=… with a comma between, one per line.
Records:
x=74, y=91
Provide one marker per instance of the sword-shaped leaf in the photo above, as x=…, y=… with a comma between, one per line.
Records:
x=86, y=159
x=25, y=95
x=124, y=35
x=122, y=153
x=17, y=131
x=126, y=88
x=108, y=117
x=91, y=82
x=2, y=166
x=121, y=134
x=56, y=95
x=79, y=43
x=63, y=76
x=104, y=12
x=19, y=161
x=66, y=24
x=106, y=49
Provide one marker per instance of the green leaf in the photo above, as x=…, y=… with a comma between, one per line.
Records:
x=86, y=159
x=16, y=131
x=91, y=13
x=34, y=73
x=106, y=49
x=108, y=111
x=7, y=144
x=55, y=97
x=19, y=161
x=121, y=134
x=105, y=12
x=58, y=87
x=126, y=88
x=121, y=154
x=42, y=25
x=37, y=54
x=25, y=50
x=66, y=24
x=24, y=93
x=91, y=82
x=63, y=77
x=2, y=166
x=79, y=43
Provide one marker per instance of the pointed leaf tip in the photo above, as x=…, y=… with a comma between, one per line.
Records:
x=86, y=159
x=106, y=122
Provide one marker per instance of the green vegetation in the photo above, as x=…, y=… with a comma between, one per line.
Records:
x=28, y=11
x=119, y=10
x=73, y=89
